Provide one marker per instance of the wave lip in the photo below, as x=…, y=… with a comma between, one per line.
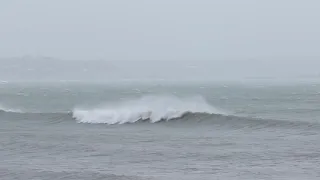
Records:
x=151, y=108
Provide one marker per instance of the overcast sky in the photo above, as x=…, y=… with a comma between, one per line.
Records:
x=160, y=29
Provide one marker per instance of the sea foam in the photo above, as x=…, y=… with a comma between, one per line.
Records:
x=151, y=108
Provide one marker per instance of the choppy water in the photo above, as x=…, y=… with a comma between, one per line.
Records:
x=200, y=131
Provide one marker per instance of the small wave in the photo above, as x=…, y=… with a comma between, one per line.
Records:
x=151, y=108
x=7, y=109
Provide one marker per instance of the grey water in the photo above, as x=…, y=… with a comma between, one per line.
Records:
x=154, y=131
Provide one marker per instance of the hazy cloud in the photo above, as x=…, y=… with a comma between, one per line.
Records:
x=160, y=30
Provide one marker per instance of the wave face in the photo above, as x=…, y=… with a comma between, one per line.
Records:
x=152, y=108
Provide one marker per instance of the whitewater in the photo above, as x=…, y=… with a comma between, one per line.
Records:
x=138, y=132
x=152, y=108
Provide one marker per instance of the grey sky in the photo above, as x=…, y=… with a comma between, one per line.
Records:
x=160, y=29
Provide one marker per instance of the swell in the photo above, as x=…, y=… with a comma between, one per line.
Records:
x=187, y=120
x=187, y=111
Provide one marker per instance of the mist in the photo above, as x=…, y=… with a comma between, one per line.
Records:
x=55, y=70
x=158, y=40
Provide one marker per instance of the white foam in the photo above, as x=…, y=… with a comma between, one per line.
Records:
x=153, y=108
x=7, y=109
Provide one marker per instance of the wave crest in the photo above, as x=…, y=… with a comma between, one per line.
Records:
x=152, y=108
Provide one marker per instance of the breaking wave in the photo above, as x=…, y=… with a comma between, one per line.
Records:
x=151, y=108
x=7, y=109
x=154, y=109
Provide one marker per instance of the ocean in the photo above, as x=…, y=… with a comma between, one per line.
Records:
x=155, y=131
